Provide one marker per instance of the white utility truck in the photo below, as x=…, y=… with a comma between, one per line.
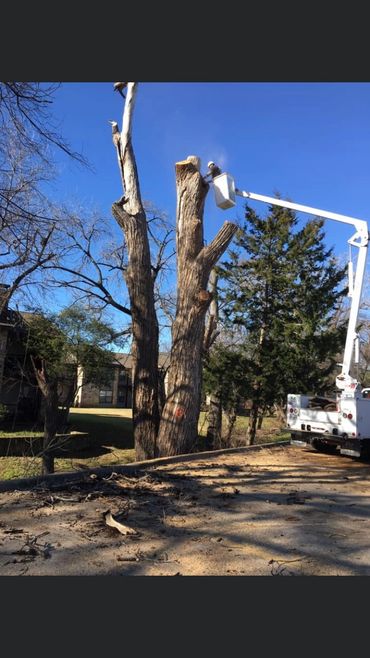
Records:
x=328, y=425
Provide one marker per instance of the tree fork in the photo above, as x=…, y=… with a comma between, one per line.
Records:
x=178, y=428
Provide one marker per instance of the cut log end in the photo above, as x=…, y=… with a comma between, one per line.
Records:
x=183, y=163
x=204, y=296
x=195, y=161
x=192, y=163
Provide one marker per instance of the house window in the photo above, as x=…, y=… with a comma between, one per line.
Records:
x=123, y=376
x=105, y=396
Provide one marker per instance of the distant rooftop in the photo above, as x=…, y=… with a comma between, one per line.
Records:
x=126, y=360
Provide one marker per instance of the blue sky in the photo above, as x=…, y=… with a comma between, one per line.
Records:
x=310, y=141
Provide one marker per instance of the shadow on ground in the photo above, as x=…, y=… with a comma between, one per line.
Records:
x=280, y=511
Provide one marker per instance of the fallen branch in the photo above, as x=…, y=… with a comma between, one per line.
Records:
x=121, y=527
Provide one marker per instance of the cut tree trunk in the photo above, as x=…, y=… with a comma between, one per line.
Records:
x=178, y=430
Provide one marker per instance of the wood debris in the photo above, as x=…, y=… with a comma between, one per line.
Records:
x=121, y=527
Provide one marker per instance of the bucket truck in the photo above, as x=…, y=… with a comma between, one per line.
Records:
x=328, y=425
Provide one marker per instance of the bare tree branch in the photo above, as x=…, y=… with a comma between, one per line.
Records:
x=212, y=252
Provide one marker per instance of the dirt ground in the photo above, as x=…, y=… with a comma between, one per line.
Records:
x=277, y=511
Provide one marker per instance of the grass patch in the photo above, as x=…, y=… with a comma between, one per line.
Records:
x=24, y=467
x=111, y=440
x=7, y=434
x=270, y=431
x=103, y=426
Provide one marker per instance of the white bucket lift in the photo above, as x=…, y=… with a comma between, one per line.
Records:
x=224, y=187
x=347, y=427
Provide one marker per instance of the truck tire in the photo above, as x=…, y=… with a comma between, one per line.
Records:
x=323, y=446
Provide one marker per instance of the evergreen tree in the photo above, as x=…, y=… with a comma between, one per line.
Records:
x=224, y=376
x=282, y=286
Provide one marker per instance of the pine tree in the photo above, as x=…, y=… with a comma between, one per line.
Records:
x=225, y=377
x=282, y=286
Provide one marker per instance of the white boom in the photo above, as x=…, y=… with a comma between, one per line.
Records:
x=225, y=198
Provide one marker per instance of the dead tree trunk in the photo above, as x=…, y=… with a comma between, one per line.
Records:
x=130, y=215
x=178, y=428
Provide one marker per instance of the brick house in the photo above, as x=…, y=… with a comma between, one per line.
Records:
x=18, y=388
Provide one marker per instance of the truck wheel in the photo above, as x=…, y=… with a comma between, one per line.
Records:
x=323, y=446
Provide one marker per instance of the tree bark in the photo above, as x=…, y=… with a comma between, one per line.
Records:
x=280, y=411
x=178, y=428
x=211, y=331
x=253, y=419
x=214, y=430
x=230, y=424
x=50, y=428
x=130, y=215
x=49, y=389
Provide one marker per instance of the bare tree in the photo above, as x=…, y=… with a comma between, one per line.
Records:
x=177, y=431
x=25, y=229
x=130, y=214
x=92, y=263
x=89, y=263
x=28, y=135
x=26, y=107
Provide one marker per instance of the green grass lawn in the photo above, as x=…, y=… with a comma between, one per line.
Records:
x=110, y=441
x=105, y=426
x=269, y=433
x=110, y=438
x=7, y=434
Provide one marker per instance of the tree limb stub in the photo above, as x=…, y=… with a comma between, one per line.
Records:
x=212, y=252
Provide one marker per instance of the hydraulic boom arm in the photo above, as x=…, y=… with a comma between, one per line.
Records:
x=360, y=239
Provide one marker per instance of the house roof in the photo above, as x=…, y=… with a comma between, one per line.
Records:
x=124, y=359
x=127, y=361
